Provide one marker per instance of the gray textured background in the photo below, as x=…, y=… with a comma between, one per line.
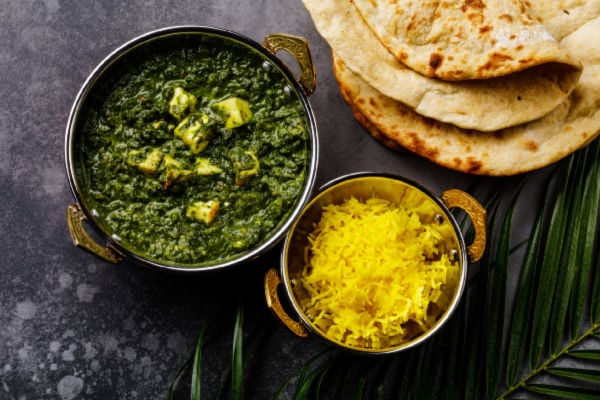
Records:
x=74, y=327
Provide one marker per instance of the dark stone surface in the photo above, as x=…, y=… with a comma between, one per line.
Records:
x=75, y=327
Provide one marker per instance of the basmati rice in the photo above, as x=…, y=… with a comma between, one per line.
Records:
x=377, y=273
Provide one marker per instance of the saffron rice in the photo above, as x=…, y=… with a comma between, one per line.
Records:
x=376, y=273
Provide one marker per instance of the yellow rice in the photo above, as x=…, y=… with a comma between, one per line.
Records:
x=378, y=274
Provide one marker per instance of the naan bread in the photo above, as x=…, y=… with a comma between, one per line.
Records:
x=570, y=126
x=372, y=129
x=462, y=39
x=485, y=105
x=563, y=17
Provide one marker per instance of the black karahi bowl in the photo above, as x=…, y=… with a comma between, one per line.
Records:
x=108, y=243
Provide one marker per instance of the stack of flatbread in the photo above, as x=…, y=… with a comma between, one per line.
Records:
x=490, y=87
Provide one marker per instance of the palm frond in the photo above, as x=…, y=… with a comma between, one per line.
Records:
x=430, y=358
x=193, y=358
x=309, y=376
x=590, y=375
x=237, y=359
x=595, y=298
x=196, y=367
x=566, y=392
x=585, y=354
x=496, y=302
x=176, y=378
x=570, y=255
x=563, y=294
x=300, y=377
x=587, y=227
x=592, y=199
x=379, y=379
x=550, y=264
x=406, y=374
x=452, y=344
x=522, y=307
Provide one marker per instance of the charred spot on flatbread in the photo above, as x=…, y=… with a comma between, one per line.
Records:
x=435, y=60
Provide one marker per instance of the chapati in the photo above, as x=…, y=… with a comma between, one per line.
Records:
x=526, y=147
x=485, y=105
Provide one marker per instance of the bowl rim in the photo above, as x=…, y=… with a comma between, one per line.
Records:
x=146, y=39
x=459, y=291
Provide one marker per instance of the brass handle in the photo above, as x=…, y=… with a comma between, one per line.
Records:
x=457, y=198
x=81, y=239
x=272, y=281
x=298, y=48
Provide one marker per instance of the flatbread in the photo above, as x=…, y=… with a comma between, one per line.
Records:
x=372, y=129
x=462, y=39
x=563, y=17
x=485, y=105
x=569, y=127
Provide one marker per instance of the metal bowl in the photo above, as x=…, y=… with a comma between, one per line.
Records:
x=109, y=247
x=363, y=186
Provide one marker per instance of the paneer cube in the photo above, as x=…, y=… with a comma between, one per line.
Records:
x=245, y=163
x=173, y=171
x=195, y=131
x=181, y=103
x=145, y=162
x=203, y=211
x=235, y=111
x=203, y=167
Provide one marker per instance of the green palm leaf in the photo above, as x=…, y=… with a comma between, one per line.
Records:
x=182, y=368
x=548, y=275
x=566, y=392
x=359, y=389
x=589, y=212
x=378, y=388
x=585, y=354
x=406, y=375
x=522, y=309
x=595, y=300
x=430, y=359
x=237, y=372
x=196, y=368
x=592, y=198
x=570, y=255
x=570, y=205
x=495, y=307
x=590, y=375
x=308, y=377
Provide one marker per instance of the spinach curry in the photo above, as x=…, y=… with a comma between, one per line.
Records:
x=195, y=153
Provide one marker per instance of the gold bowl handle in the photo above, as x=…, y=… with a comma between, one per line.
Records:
x=457, y=198
x=272, y=281
x=298, y=48
x=81, y=239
